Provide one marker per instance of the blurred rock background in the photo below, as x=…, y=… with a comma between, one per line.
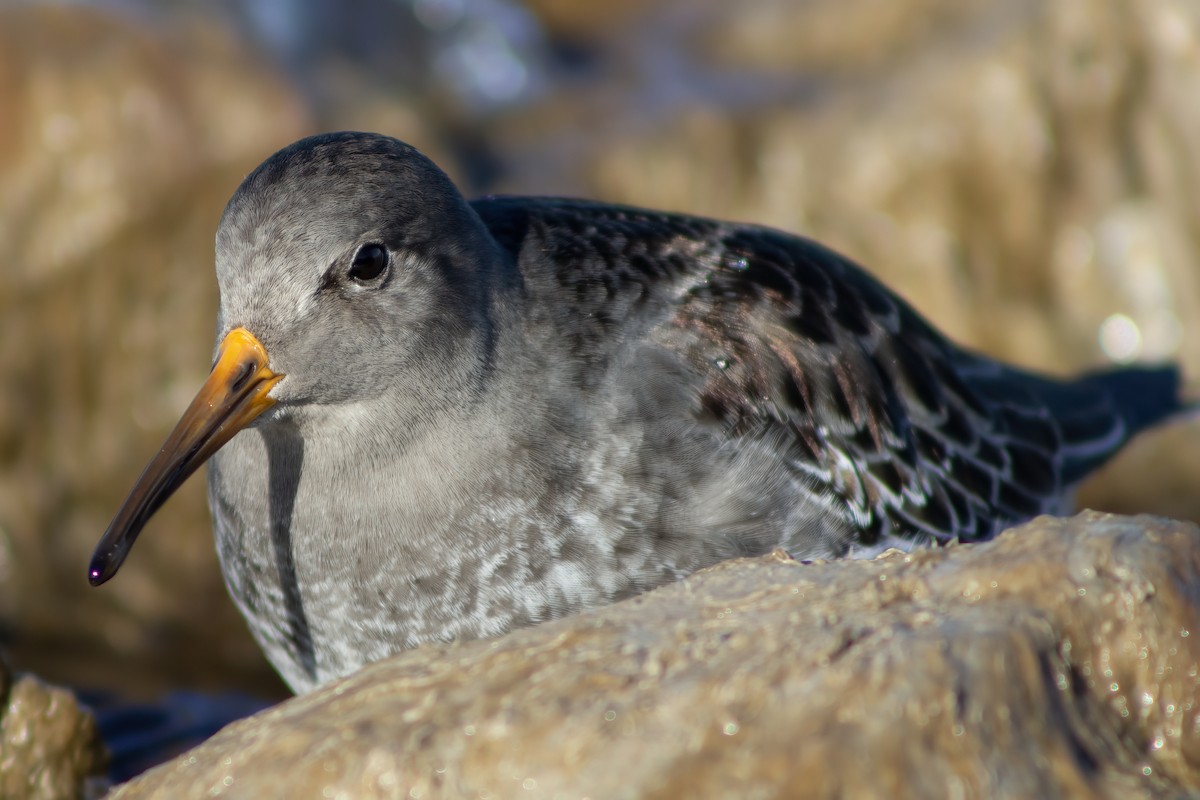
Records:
x=1027, y=174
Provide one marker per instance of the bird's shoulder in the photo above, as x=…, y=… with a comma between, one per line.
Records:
x=604, y=255
x=585, y=242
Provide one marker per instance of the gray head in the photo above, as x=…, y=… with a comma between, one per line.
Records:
x=350, y=251
x=350, y=269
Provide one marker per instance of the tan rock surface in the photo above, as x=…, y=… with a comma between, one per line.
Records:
x=1059, y=661
x=50, y=748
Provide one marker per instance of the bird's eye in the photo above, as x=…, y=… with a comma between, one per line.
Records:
x=369, y=263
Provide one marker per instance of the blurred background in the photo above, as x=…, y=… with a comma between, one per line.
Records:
x=1026, y=173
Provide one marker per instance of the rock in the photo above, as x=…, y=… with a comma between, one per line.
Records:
x=50, y=748
x=1059, y=660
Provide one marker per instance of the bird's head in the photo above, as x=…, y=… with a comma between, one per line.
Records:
x=350, y=268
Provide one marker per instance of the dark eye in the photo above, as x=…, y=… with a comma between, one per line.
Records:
x=369, y=263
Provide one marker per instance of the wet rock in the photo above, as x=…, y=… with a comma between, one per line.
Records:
x=1059, y=660
x=50, y=748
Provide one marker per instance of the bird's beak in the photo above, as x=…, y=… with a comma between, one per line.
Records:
x=236, y=392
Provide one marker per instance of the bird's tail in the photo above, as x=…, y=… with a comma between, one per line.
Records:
x=1099, y=412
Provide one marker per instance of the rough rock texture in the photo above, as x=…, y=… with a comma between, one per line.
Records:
x=49, y=746
x=1060, y=660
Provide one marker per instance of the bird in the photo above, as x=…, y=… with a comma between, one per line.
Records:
x=431, y=419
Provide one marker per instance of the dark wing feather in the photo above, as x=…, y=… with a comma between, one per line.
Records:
x=908, y=435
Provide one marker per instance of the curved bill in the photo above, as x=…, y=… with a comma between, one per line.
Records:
x=235, y=393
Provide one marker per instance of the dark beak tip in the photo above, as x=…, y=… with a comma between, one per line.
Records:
x=100, y=570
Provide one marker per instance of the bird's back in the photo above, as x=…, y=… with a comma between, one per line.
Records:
x=899, y=433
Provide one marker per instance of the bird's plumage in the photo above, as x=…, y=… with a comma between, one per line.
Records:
x=548, y=404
